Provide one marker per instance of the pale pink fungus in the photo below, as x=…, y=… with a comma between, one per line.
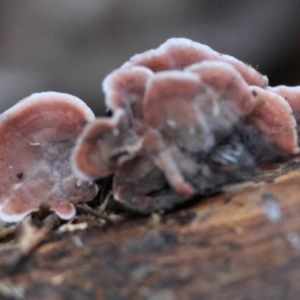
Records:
x=170, y=107
x=187, y=111
x=292, y=95
x=37, y=135
x=185, y=121
x=125, y=89
x=227, y=82
x=178, y=53
x=272, y=116
x=103, y=146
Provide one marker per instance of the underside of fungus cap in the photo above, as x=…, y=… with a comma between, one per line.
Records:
x=37, y=136
x=141, y=186
x=103, y=146
x=273, y=118
x=178, y=53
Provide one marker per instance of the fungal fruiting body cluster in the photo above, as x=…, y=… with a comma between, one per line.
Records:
x=185, y=120
x=37, y=136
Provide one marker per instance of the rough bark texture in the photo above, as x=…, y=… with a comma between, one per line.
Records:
x=224, y=247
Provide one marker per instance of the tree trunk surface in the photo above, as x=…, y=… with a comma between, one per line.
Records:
x=240, y=244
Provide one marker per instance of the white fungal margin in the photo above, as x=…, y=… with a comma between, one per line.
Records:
x=65, y=216
x=15, y=217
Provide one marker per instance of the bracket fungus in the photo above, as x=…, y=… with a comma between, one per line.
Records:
x=37, y=135
x=186, y=120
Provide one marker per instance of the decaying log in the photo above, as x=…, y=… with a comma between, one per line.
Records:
x=241, y=244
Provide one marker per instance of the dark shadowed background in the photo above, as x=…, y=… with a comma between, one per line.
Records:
x=70, y=45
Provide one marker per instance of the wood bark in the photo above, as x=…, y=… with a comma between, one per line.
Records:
x=240, y=244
